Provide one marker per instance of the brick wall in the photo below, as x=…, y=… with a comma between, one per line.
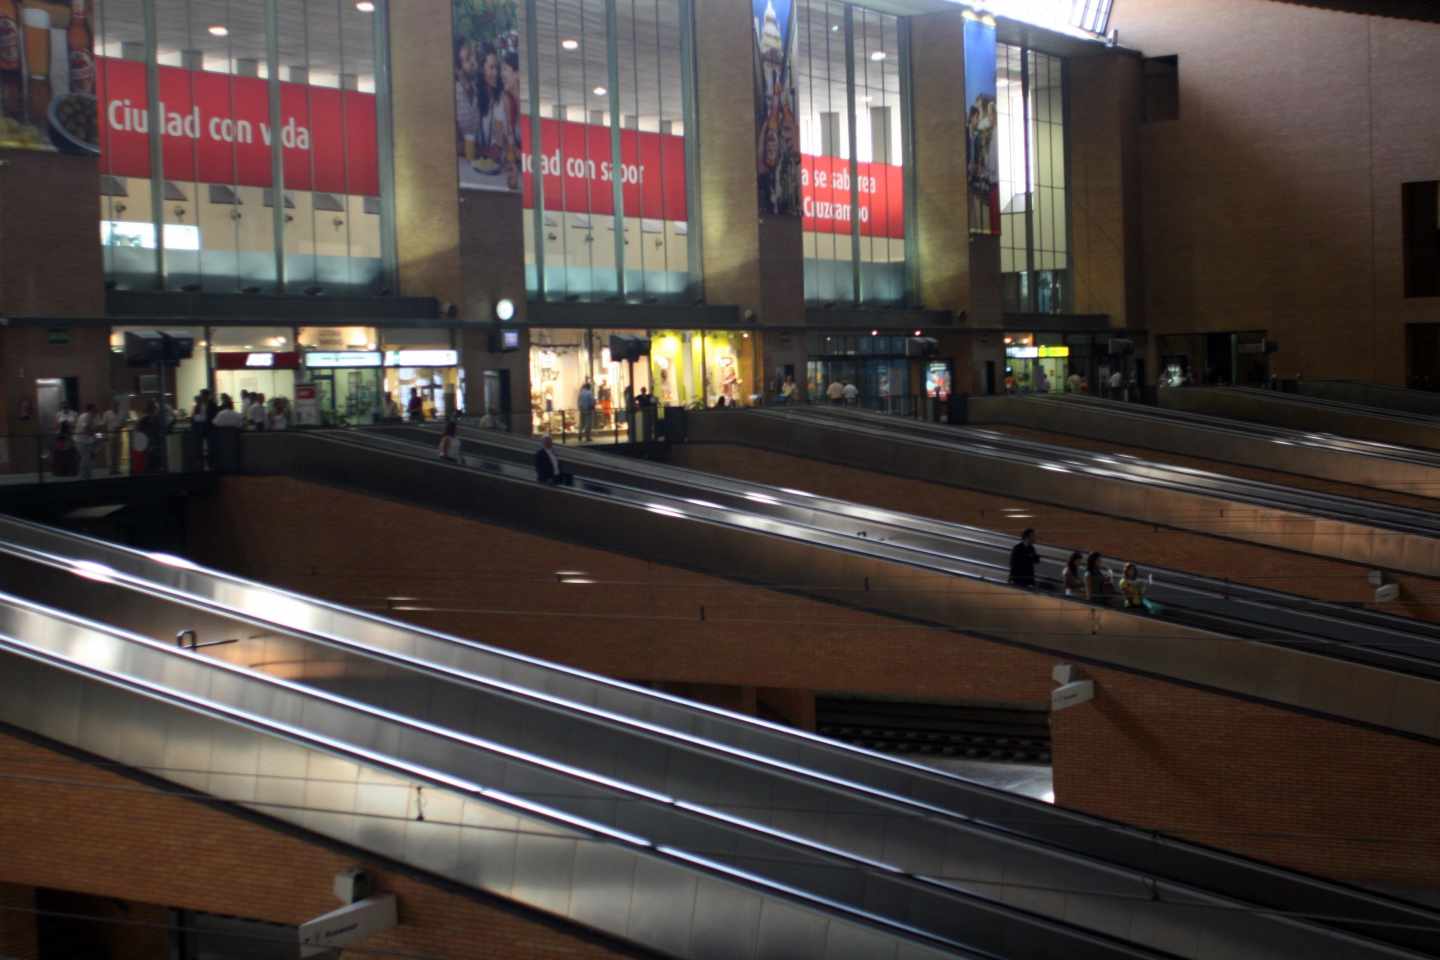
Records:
x=71, y=825
x=1248, y=777
x=638, y=620
x=1116, y=538
x=1322, y=797
x=1273, y=202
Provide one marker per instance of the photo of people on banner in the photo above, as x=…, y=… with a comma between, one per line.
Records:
x=487, y=94
x=47, y=76
x=982, y=144
x=777, y=130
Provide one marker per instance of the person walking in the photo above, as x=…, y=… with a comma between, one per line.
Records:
x=1023, y=559
x=835, y=393
x=1117, y=381
x=1074, y=576
x=851, y=393
x=586, y=403
x=787, y=390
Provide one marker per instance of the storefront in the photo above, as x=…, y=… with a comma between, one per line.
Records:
x=423, y=363
x=255, y=360
x=177, y=386
x=344, y=366
x=692, y=369
x=878, y=366
x=1037, y=367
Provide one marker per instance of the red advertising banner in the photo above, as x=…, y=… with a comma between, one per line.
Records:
x=217, y=130
x=825, y=197
x=579, y=178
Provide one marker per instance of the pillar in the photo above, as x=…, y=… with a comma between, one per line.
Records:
x=1104, y=177
x=749, y=260
x=427, y=209
x=942, y=213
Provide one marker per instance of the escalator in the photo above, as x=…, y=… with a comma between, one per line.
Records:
x=1325, y=455
x=1294, y=411
x=1001, y=849
x=1306, y=521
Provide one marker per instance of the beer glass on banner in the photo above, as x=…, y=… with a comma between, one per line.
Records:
x=37, y=64
x=12, y=80
x=80, y=43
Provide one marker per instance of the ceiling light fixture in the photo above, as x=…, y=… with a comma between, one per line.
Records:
x=600, y=91
x=365, y=6
x=569, y=44
x=219, y=30
x=878, y=55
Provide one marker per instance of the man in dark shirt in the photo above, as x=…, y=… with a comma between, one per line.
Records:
x=547, y=465
x=1023, y=558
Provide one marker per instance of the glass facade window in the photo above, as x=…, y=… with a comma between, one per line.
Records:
x=611, y=107
x=1034, y=205
x=879, y=368
x=176, y=386
x=424, y=365
x=254, y=359
x=344, y=365
x=685, y=368
x=191, y=204
x=851, y=141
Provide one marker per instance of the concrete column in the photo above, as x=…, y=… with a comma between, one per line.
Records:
x=427, y=209
x=942, y=215
x=752, y=261
x=1104, y=180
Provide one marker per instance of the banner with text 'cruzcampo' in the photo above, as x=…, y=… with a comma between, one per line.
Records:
x=982, y=142
x=777, y=129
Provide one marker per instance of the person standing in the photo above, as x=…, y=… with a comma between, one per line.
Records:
x=1097, y=581
x=835, y=393
x=851, y=393
x=787, y=389
x=1132, y=589
x=1023, y=560
x=255, y=413
x=586, y=403
x=85, y=426
x=1074, y=578
x=547, y=464
x=1117, y=381
x=110, y=423
x=450, y=443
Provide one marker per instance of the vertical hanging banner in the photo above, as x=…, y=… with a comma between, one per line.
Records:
x=777, y=131
x=487, y=93
x=47, y=76
x=982, y=142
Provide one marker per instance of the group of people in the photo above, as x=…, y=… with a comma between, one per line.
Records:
x=1084, y=575
x=487, y=107
x=84, y=440
x=842, y=392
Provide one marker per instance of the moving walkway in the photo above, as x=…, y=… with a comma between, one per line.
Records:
x=1329, y=456
x=1307, y=413
x=1364, y=636
x=1378, y=534
x=694, y=807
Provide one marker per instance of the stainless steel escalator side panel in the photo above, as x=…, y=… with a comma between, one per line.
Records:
x=791, y=740
x=1298, y=413
x=1285, y=451
x=976, y=606
x=85, y=688
x=1187, y=505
